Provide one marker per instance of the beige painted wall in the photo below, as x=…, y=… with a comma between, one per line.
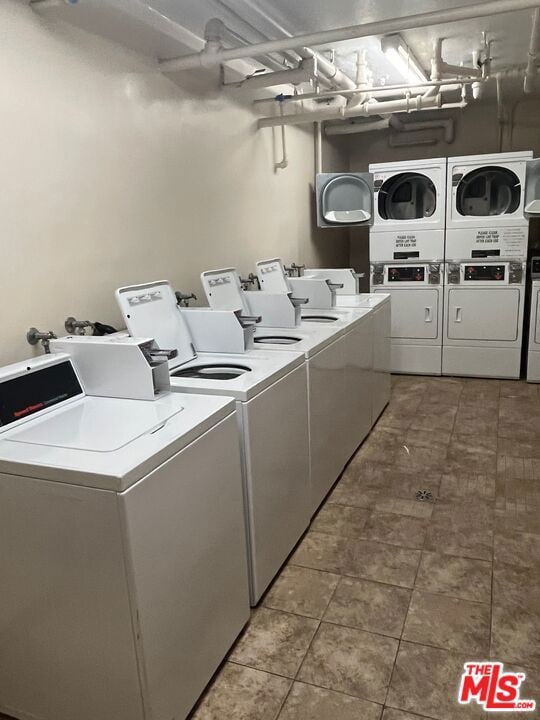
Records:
x=110, y=174
x=477, y=132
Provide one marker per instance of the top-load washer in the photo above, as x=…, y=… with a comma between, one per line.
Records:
x=124, y=568
x=270, y=390
x=533, y=359
x=485, y=205
x=338, y=387
x=344, y=199
x=349, y=296
x=409, y=210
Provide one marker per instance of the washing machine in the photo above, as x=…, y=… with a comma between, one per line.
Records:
x=417, y=297
x=533, y=358
x=339, y=373
x=349, y=296
x=123, y=563
x=270, y=390
x=483, y=326
x=485, y=206
x=344, y=199
x=409, y=210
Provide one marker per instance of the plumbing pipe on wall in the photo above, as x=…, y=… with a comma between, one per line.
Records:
x=326, y=37
x=534, y=52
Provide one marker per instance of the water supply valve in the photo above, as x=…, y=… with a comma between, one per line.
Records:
x=35, y=336
x=182, y=299
x=295, y=270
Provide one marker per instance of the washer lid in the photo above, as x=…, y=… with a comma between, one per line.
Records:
x=223, y=290
x=151, y=310
x=95, y=424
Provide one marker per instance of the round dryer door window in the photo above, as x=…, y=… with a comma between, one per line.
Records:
x=407, y=196
x=488, y=191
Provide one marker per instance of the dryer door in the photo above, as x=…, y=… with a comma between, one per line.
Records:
x=532, y=189
x=415, y=313
x=483, y=314
x=487, y=191
x=407, y=196
x=344, y=199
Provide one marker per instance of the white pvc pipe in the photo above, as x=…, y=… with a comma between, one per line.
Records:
x=366, y=110
x=450, y=83
x=534, y=51
x=353, y=128
x=318, y=148
x=325, y=37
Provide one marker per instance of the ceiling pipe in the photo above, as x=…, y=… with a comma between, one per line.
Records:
x=354, y=128
x=381, y=27
x=216, y=33
x=366, y=110
x=534, y=51
x=384, y=90
x=447, y=124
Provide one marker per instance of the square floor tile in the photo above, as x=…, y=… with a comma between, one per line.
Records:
x=384, y=563
x=529, y=448
x=396, y=529
x=369, y=606
x=359, y=487
x=426, y=682
x=472, y=455
x=350, y=661
x=243, y=693
x=307, y=702
x=405, y=485
x=515, y=632
x=455, y=576
x=275, y=642
x=421, y=459
x=518, y=548
x=320, y=551
x=400, y=506
x=441, y=420
x=463, y=529
x=446, y=622
x=464, y=487
x=302, y=591
x=344, y=520
x=511, y=467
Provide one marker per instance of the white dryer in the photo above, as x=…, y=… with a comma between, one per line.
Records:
x=270, y=390
x=416, y=333
x=485, y=206
x=483, y=325
x=409, y=210
x=123, y=563
x=349, y=296
x=533, y=359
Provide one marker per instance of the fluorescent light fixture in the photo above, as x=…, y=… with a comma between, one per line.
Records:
x=400, y=55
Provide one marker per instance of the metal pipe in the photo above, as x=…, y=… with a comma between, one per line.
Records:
x=534, y=50
x=325, y=37
x=51, y=3
x=372, y=108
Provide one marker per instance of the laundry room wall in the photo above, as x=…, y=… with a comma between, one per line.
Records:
x=112, y=175
x=476, y=131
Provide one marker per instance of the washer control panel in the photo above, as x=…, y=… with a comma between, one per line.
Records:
x=484, y=273
x=506, y=273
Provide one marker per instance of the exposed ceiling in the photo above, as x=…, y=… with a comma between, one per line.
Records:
x=277, y=18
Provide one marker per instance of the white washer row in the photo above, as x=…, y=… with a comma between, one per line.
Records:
x=164, y=518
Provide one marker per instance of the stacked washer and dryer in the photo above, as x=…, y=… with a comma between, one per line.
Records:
x=486, y=254
x=407, y=256
x=449, y=243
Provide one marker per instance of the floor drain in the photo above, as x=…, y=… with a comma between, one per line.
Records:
x=424, y=496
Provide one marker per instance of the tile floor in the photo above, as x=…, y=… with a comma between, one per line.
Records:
x=386, y=597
